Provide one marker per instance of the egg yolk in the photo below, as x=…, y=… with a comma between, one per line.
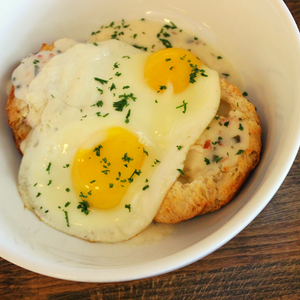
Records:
x=173, y=65
x=102, y=175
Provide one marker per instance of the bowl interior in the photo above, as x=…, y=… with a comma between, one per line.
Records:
x=261, y=40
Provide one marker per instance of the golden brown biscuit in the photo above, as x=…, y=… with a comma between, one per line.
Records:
x=203, y=190
x=200, y=189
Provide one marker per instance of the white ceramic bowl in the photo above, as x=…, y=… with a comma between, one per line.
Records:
x=261, y=39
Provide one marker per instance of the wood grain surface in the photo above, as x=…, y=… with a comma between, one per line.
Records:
x=262, y=262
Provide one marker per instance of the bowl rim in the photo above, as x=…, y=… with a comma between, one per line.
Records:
x=190, y=254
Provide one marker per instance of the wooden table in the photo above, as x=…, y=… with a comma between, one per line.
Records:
x=262, y=262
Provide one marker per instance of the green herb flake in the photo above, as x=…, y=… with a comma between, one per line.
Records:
x=226, y=124
x=218, y=159
x=207, y=161
x=48, y=168
x=146, y=152
x=180, y=171
x=66, y=166
x=127, y=158
x=127, y=116
x=38, y=194
x=99, y=103
x=184, y=105
x=179, y=147
x=240, y=152
x=67, y=204
x=67, y=218
x=128, y=206
x=241, y=127
x=102, y=81
x=97, y=150
x=67, y=190
x=84, y=206
x=166, y=43
x=49, y=182
x=145, y=187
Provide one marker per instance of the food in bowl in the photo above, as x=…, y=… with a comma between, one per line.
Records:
x=110, y=129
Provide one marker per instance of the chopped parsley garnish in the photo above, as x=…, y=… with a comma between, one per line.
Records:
x=48, y=168
x=172, y=26
x=95, y=44
x=179, y=147
x=128, y=206
x=145, y=187
x=111, y=185
x=99, y=90
x=116, y=65
x=207, y=161
x=82, y=196
x=240, y=152
x=241, y=127
x=218, y=159
x=98, y=103
x=84, y=206
x=67, y=190
x=146, y=152
x=97, y=150
x=226, y=124
x=67, y=204
x=225, y=74
x=118, y=74
x=112, y=87
x=91, y=182
x=127, y=116
x=38, y=194
x=219, y=57
x=166, y=43
x=119, y=105
x=180, y=171
x=35, y=184
x=184, y=105
x=162, y=87
x=127, y=158
x=140, y=47
x=245, y=94
x=102, y=81
x=67, y=218
x=66, y=166
x=50, y=181
x=137, y=172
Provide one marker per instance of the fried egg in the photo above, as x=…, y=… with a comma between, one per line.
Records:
x=115, y=128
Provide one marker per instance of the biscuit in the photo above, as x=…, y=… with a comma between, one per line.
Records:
x=201, y=189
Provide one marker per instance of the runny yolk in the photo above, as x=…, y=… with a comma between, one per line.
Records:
x=173, y=65
x=102, y=175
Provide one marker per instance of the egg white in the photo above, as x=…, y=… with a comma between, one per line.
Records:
x=66, y=91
